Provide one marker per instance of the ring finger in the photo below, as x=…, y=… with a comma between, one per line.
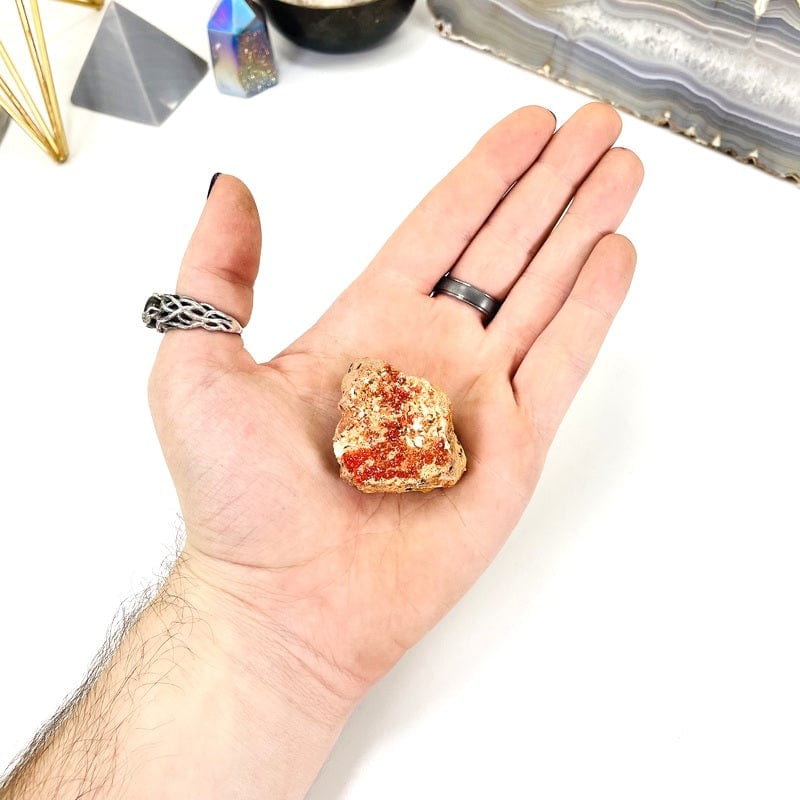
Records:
x=522, y=221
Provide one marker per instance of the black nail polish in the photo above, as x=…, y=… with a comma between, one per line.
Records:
x=211, y=185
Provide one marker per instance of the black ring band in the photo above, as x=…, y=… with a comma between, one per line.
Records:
x=469, y=294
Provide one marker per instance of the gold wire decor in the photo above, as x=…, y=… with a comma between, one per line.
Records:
x=20, y=106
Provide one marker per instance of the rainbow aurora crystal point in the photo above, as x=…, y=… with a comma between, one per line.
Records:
x=240, y=48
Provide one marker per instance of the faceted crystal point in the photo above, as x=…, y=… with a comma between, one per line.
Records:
x=241, y=53
x=135, y=71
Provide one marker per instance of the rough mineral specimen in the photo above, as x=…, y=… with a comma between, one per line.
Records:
x=396, y=432
x=725, y=74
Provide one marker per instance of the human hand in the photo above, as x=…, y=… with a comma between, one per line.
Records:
x=296, y=592
x=343, y=583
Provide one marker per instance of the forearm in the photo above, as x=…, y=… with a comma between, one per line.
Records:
x=184, y=709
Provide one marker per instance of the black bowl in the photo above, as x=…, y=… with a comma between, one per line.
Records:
x=337, y=28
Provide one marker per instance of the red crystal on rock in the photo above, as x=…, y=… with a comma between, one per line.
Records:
x=396, y=433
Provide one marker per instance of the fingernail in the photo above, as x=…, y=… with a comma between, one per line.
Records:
x=211, y=185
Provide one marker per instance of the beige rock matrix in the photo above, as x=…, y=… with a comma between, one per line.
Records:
x=396, y=432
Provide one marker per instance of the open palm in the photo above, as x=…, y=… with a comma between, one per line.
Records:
x=349, y=581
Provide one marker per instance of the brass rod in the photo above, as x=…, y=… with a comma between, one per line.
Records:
x=32, y=108
x=48, y=133
x=29, y=40
x=48, y=87
x=90, y=3
x=20, y=114
x=31, y=130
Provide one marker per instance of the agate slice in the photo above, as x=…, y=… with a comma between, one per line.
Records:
x=725, y=74
x=396, y=432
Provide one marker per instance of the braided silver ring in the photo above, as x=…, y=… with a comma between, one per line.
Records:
x=168, y=311
x=469, y=294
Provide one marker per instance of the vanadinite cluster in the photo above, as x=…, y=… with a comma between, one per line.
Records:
x=396, y=432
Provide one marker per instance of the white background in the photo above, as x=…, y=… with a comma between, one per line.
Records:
x=638, y=635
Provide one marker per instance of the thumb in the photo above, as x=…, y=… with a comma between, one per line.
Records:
x=220, y=268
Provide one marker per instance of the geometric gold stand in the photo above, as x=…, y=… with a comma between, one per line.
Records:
x=20, y=106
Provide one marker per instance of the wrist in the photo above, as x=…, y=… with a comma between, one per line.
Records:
x=255, y=639
x=273, y=720
x=184, y=708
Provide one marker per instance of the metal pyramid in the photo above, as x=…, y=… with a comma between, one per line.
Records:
x=135, y=71
x=5, y=121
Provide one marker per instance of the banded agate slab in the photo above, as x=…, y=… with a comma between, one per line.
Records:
x=726, y=74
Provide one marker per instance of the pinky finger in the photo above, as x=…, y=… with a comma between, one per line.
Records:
x=554, y=368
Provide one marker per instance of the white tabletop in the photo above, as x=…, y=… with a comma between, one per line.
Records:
x=638, y=635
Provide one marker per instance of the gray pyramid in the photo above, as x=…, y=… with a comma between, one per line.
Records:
x=5, y=120
x=135, y=71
